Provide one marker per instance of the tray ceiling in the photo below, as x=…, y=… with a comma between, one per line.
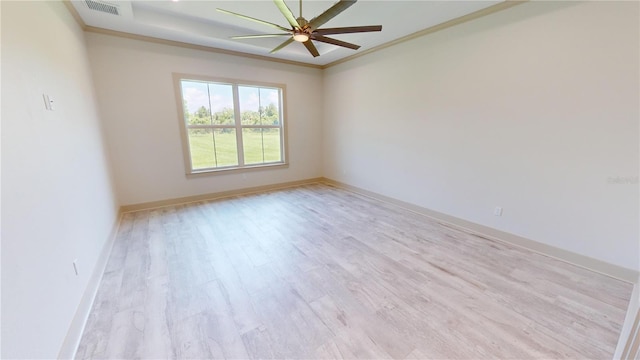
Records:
x=198, y=22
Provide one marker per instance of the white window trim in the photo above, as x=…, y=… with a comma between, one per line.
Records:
x=241, y=167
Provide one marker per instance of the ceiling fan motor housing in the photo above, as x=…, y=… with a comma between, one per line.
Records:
x=302, y=22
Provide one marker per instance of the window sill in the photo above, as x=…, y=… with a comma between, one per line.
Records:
x=235, y=170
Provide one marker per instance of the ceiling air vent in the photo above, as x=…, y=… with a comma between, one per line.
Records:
x=102, y=7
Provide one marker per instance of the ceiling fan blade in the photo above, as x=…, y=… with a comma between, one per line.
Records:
x=332, y=41
x=254, y=19
x=347, y=30
x=284, y=9
x=289, y=41
x=336, y=9
x=258, y=36
x=312, y=48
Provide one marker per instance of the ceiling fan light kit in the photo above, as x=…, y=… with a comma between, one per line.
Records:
x=300, y=37
x=302, y=30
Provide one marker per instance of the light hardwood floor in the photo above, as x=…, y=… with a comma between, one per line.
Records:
x=319, y=272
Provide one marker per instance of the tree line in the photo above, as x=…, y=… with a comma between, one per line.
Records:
x=266, y=115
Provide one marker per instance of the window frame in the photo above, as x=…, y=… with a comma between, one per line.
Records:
x=238, y=126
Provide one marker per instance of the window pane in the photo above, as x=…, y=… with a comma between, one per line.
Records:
x=212, y=148
x=215, y=113
x=249, y=99
x=270, y=103
x=259, y=106
x=271, y=141
x=252, y=146
x=221, y=96
x=261, y=145
x=202, y=149
x=195, y=103
x=226, y=148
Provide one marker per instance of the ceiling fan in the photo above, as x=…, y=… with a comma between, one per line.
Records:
x=304, y=31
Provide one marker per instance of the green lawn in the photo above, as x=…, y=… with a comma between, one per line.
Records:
x=258, y=148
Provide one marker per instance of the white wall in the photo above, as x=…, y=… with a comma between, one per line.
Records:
x=57, y=199
x=534, y=109
x=135, y=90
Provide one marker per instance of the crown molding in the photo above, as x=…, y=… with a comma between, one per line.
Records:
x=453, y=22
x=196, y=47
x=75, y=14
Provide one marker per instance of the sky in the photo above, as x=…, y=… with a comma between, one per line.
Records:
x=197, y=95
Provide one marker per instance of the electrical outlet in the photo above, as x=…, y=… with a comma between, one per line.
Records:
x=497, y=211
x=48, y=102
x=76, y=269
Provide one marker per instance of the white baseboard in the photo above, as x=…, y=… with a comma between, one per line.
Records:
x=628, y=334
x=629, y=340
x=586, y=262
x=216, y=195
x=589, y=263
x=78, y=323
x=74, y=334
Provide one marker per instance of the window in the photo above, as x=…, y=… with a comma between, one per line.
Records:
x=228, y=124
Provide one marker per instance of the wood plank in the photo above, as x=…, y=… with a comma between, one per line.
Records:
x=320, y=272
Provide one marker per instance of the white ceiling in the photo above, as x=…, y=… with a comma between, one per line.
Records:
x=198, y=22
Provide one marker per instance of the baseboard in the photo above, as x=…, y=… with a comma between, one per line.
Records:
x=586, y=262
x=629, y=339
x=216, y=195
x=74, y=334
x=632, y=347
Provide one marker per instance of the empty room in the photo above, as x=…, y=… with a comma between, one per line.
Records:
x=320, y=179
